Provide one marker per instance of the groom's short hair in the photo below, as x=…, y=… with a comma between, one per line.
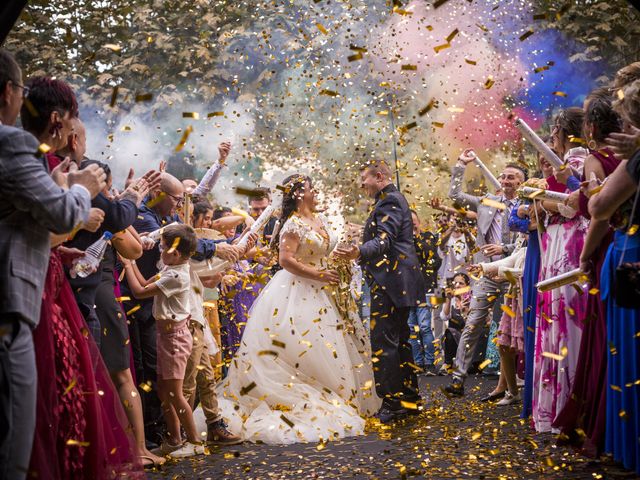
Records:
x=378, y=166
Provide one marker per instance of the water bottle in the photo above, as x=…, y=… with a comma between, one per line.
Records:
x=89, y=263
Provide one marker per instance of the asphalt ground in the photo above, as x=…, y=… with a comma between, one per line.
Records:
x=451, y=439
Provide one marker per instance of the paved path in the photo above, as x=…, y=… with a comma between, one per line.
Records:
x=452, y=439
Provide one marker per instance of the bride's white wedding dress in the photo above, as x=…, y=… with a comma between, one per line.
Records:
x=302, y=372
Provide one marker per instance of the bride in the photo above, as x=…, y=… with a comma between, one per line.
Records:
x=303, y=372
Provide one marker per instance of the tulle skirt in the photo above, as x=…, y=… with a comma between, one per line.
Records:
x=303, y=373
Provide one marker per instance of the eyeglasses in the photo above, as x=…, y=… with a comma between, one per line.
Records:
x=25, y=89
x=179, y=200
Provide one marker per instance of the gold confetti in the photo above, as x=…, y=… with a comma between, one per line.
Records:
x=267, y=352
x=632, y=230
x=122, y=299
x=278, y=343
x=437, y=124
x=194, y=115
x=439, y=48
x=493, y=203
x=489, y=83
x=526, y=35
x=215, y=114
x=77, y=443
x=428, y=107
x=470, y=62
x=409, y=405
x=174, y=245
x=71, y=385
x=475, y=436
x=114, y=96
x=355, y=57
x=246, y=389
x=553, y=356
x=620, y=94
x=146, y=386
x=461, y=291
x=409, y=67
x=484, y=364
x=44, y=148
x=508, y=311
x=559, y=94
x=452, y=35
x=144, y=97
x=329, y=93
x=400, y=11
x=287, y=421
x=322, y=29
x=134, y=309
x=439, y=3
x=185, y=137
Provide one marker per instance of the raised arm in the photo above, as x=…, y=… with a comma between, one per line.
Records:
x=455, y=190
x=212, y=175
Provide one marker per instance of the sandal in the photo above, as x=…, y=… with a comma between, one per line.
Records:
x=153, y=464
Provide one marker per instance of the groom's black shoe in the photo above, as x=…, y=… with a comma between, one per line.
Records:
x=454, y=389
x=386, y=415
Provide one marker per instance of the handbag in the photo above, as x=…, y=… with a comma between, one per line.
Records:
x=627, y=284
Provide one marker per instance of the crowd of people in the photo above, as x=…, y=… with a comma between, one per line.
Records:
x=101, y=369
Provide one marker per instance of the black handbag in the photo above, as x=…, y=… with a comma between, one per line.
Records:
x=627, y=284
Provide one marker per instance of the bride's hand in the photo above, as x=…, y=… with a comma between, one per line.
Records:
x=328, y=276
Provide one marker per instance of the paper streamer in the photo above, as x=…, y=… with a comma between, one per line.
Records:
x=485, y=171
x=155, y=235
x=540, y=194
x=537, y=142
x=567, y=278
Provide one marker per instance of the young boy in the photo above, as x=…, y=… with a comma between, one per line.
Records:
x=172, y=311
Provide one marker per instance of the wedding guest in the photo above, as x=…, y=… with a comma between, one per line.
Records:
x=528, y=218
x=561, y=244
x=582, y=420
x=33, y=205
x=618, y=201
x=510, y=337
x=494, y=241
x=454, y=312
x=421, y=336
x=171, y=310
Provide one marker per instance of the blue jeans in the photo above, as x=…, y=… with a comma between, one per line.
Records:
x=421, y=338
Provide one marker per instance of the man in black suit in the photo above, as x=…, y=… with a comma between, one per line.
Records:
x=392, y=270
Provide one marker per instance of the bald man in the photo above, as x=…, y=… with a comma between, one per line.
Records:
x=77, y=144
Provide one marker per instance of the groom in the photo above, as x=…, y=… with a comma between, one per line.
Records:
x=392, y=270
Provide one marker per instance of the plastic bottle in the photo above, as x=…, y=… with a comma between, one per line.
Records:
x=89, y=263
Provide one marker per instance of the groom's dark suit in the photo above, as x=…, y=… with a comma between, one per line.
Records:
x=389, y=261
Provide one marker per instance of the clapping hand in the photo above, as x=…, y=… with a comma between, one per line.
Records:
x=139, y=188
x=91, y=177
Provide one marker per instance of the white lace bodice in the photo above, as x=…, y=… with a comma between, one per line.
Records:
x=314, y=249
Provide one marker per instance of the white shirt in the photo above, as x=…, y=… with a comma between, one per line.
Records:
x=174, y=301
x=196, y=293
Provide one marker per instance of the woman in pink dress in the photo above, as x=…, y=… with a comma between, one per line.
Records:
x=561, y=311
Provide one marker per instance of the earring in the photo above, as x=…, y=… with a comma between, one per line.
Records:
x=592, y=144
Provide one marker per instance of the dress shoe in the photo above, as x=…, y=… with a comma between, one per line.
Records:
x=386, y=415
x=454, y=389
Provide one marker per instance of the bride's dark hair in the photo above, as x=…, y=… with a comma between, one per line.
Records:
x=291, y=186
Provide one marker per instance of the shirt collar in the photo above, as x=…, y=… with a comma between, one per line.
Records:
x=389, y=188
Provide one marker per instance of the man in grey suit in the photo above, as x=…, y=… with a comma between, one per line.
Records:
x=494, y=241
x=32, y=206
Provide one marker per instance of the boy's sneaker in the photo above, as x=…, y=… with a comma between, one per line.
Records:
x=188, y=449
x=166, y=448
x=219, y=434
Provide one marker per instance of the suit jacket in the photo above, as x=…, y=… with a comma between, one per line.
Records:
x=486, y=214
x=31, y=206
x=387, y=254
